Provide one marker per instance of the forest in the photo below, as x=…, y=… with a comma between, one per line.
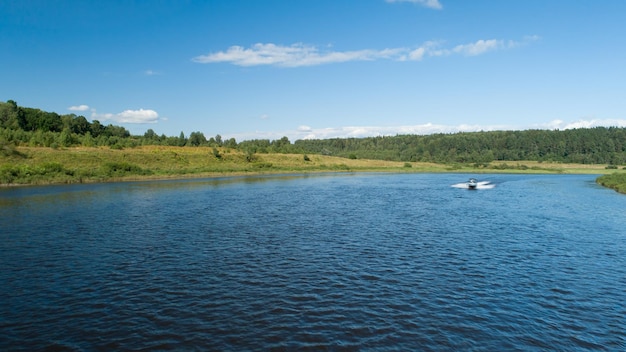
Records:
x=25, y=126
x=598, y=145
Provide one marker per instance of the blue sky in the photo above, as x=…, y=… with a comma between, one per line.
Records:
x=253, y=69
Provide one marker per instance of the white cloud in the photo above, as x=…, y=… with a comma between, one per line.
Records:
x=128, y=116
x=79, y=108
x=482, y=46
x=433, y=4
x=289, y=56
x=138, y=116
x=151, y=73
x=562, y=125
x=478, y=47
x=306, y=132
x=417, y=54
x=298, y=55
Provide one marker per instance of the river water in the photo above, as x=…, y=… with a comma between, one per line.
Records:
x=327, y=262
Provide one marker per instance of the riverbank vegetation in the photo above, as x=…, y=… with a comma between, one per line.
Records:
x=44, y=147
x=32, y=127
x=39, y=165
x=616, y=181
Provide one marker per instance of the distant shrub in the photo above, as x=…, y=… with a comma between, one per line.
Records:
x=250, y=156
x=352, y=156
x=306, y=158
x=9, y=173
x=611, y=167
x=408, y=165
x=8, y=149
x=216, y=153
x=34, y=174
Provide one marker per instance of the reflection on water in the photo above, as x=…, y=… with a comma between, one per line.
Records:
x=79, y=192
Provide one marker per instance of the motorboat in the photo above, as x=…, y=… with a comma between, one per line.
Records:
x=474, y=184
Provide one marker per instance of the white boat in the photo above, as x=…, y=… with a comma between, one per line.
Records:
x=474, y=184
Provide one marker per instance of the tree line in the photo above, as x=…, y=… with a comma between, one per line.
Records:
x=23, y=126
x=599, y=145
x=35, y=127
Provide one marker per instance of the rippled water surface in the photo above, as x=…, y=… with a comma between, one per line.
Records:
x=338, y=262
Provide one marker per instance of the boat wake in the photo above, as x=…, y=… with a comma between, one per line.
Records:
x=478, y=185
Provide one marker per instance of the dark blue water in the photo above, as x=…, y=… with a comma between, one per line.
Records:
x=331, y=262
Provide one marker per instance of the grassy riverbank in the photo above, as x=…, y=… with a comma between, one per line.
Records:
x=616, y=181
x=26, y=165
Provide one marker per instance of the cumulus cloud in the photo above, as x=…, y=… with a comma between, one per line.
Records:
x=371, y=131
x=78, y=108
x=299, y=54
x=307, y=132
x=128, y=116
x=433, y=4
x=562, y=125
x=137, y=116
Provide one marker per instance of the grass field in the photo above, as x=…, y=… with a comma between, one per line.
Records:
x=26, y=165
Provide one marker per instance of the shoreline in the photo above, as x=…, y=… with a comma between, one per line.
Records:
x=616, y=188
x=210, y=175
x=36, y=166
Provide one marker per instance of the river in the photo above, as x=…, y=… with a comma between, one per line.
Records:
x=337, y=262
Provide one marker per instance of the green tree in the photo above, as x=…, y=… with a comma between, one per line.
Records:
x=151, y=135
x=282, y=145
x=182, y=140
x=8, y=115
x=231, y=143
x=36, y=119
x=65, y=138
x=197, y=139
x=96, y=129
x=80, y=125
x=115, y=131
x=87, y=140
